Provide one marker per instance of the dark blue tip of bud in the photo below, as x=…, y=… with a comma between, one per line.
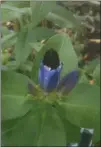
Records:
x=49, y=72
x=68, y=82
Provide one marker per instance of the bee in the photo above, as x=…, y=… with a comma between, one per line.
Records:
x=12, y=25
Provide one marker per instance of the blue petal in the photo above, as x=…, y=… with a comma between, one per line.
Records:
x=68, y=82
x=49, y=79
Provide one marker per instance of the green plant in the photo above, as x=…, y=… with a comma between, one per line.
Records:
x=29, y=116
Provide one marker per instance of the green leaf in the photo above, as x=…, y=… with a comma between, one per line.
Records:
x=22, y=48
x=37, y=46
x=90, y=67
x=14, y=95
x=78, y=47
x=9, y=40
x=39, y=33
x=62, y=44
x=11, y=65
x=27, y=66
x=40, y=9
x=72, y=131
x=96, y=74
x=41, y=127
x=58, y=20
x=82, y=107
x=5, y=31
x=8, y=12
x=8, y=124
x=11, y=8
x=19, y=4
x=83, y=79
x=63, y=17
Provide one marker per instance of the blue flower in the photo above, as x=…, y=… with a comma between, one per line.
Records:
x=49, y=74
x=49, y=78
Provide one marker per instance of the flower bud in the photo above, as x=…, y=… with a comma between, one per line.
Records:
x=49, y=72
x=68, y=82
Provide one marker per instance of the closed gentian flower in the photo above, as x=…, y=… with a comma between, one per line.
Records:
x=49, y=72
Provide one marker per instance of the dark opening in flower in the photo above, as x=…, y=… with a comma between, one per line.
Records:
x=51, y=59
